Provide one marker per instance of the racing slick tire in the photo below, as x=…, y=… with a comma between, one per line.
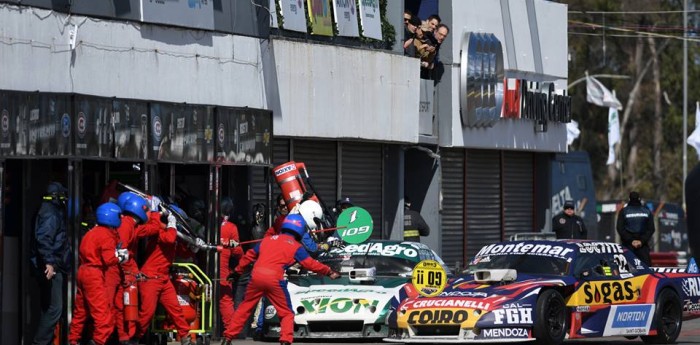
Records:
x=668, y=318
x=550, y=325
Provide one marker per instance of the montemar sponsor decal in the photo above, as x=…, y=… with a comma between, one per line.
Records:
x=339, y=305
x=495, y=333
x=438, y=316
x=608, y=292
x=377, y=249
x=440, y=302
x=525, y=248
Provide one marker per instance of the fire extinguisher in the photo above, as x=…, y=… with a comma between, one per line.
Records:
x=131, y=303
x=288, y=177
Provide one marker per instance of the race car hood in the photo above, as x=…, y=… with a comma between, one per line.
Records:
x=466, y=301
x=342, y=300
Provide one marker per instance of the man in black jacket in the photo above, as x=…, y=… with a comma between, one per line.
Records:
x=635, y=225
x=414, y=225
x=51, y=258
x=568, y=225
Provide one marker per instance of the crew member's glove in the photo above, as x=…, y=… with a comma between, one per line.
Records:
x=172, y=222
x=154, y=203
x=334, y=275
x=122, y=255
x=233, y=277
x=200, y=243
x=336, y=242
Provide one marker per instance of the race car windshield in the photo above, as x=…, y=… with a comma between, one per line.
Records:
x=527, y=264
x=386, y=266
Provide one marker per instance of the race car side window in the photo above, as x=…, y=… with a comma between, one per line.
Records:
x=594, y=266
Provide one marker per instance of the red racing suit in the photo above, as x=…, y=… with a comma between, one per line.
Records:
x=229, y=256
x=97, y=256
x=272, y=256
x=129, y=234
x=157, y=287
x=276, y=226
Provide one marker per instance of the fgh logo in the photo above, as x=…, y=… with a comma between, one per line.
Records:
x=481, y=79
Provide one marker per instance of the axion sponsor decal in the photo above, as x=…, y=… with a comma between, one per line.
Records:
x=525, y=248
x=438, y=302
x=599, y=247
x=339, y=305
x=377, y=249
x=495, y=333
x=438, y=316
x=515, y=316
x=630, y=319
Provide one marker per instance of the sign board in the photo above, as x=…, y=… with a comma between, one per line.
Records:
x=130, y=119
x=370, y=18
x=346, y=17
x=320, y=17
x=293, y=14
x=481, y=79
x=197, y=14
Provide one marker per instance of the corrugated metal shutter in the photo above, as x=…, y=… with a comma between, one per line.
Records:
x=280, y=151
x=483, y=199
x=518, y=193
x=452, y=165
x=320, y=158
x=258, y=184
x=361, y=179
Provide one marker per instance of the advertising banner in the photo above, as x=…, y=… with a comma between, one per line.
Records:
x=197, y=135
x=130, y=119
x=273, y=14
x=370, y=18
x=346, y=17
x=293, y=14
x=94, y=135
x=163, y=123
x=320, y=16
x=8, y=123
x=244, y=136
x=43, y=124
x=197, y=14
x=673, y=235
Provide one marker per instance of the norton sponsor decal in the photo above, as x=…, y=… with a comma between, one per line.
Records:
x=525, y=248
x=629, y=319
x=495, y=333
x=444, y=316
x=608, y=292
x=339, y=305
x=439, y=302
x=515, y=316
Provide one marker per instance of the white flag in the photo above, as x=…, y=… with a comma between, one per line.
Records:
x=572, y=132
x=613, y=134
x=694, y=138
x=598, y=94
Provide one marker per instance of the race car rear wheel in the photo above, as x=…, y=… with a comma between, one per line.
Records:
x=667, y=318
x=550, y=325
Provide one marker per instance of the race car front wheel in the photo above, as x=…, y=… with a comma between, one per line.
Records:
x=550, y=325
x=667, y=318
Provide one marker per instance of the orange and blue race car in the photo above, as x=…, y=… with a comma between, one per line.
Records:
x=549, y=291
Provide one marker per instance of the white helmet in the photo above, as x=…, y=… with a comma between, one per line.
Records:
x=312, y=213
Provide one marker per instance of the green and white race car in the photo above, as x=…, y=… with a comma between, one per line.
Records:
x=376, y=277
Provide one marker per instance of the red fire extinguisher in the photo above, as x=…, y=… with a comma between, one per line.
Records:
x=131, y=303
x=288, y=177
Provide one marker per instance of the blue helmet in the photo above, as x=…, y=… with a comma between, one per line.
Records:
x=135, y=205
x=123, y=198
x=109, y=214
x=294, y=224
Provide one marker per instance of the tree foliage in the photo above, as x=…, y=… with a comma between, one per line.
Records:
x=622, y=38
